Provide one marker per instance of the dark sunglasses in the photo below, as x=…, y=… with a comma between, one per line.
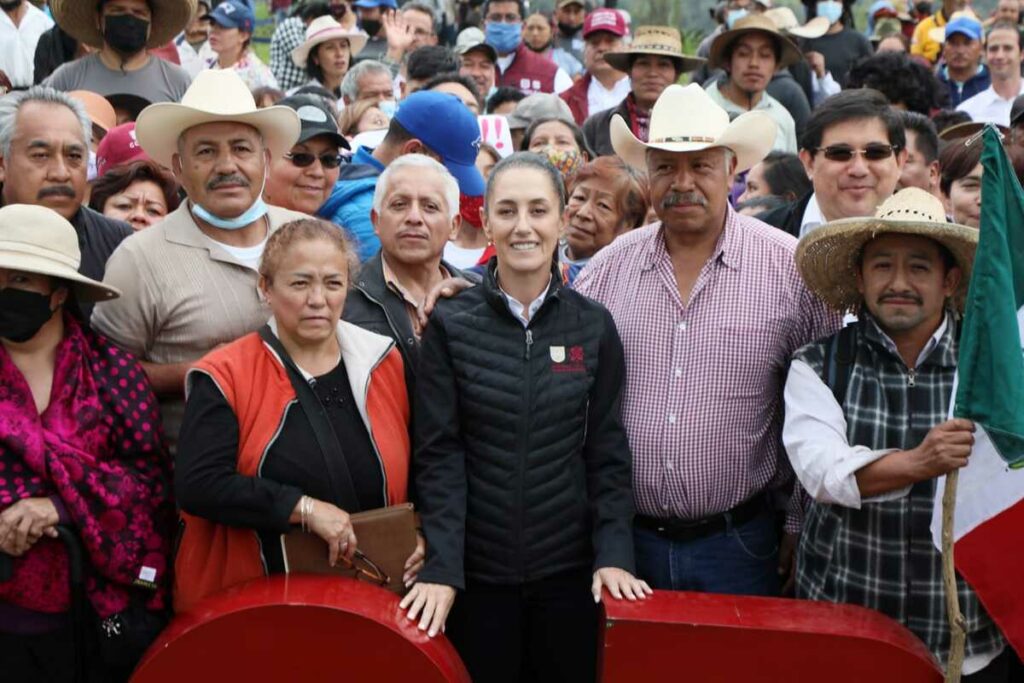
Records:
x=304, y=159
x=873, y=152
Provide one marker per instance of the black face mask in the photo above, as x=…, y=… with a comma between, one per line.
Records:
x=371, y=26
x=568, y=29
x=923, y=7
x=22, y=313
x=125, y=33
x=10, y=6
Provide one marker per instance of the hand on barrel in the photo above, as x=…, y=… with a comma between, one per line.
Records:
x=620, y=583
x=431, y=602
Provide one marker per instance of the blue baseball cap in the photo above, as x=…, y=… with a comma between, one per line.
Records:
x=370, y=4
x=964, y=26
x=234, y=14
x=444, y=124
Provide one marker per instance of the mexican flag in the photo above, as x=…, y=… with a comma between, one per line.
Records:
x=989, y=521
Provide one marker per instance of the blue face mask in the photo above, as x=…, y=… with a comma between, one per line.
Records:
x=388, y=107
x=504, y=38
x=831, y=10
x=255, y=212
x=733, y=16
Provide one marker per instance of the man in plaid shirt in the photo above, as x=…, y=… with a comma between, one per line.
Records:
x=866, y=423
x=288, y=35
x=710, y=308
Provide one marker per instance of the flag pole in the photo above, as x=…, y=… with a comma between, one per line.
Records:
x=957, y=631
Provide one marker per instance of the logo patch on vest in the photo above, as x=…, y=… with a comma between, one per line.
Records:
x=561, y=363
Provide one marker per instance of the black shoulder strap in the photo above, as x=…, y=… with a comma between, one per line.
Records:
x=338, y=475
x=839, y=357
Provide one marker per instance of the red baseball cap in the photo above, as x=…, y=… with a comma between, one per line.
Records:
x=604, y=19
x=118, y=146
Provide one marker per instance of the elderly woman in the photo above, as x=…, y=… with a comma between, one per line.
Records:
x=528, y=516
x=80, y=446
x=302, y=179
x=139, y=193
x=607, y=197
x=232, y=25
x=561, y=141
x=960, y=181
x=250, y=464
x=327, y=52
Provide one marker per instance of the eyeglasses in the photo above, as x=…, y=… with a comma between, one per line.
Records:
x=509, y=18
x=875, y=151
x=368, y=570
x=304, y=159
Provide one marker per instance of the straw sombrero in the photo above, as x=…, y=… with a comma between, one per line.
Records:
x=686, y=119
x=968, y=129
x=827, y=256
x=785, y=20
x=789, y=53
x=80, y=19
x=323, y=29
x=215, y=95
x=36, y=239
x=662, y=41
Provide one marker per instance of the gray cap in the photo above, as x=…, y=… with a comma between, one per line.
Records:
x=539, y=106
x=472, y=38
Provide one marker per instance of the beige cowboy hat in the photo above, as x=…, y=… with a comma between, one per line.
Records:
x=35, y=239
x=323, y=29
x=789, y=53
x=215, y=95
x=785, y=20
x=80, y=19
x=968, y=129
x=662, y=41
x=686, y=119
x=827, y=256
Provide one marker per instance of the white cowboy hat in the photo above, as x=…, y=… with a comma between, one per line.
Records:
x=215, y=95
x=785, y=20
x=35, y=239
x=827, y=256
x=789, y=53
x=323, y=29
x=686, y=119
x=80, y=20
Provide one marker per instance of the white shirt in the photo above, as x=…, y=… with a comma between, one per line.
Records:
x=785, y=138
x=18, y=44
x=193, y=61
x=812, y=218
x=460, y=257
x=600, y=98
x=247, y=256
x=814, y=434
x=562, y=80
x=989, y=107
x=523, y=313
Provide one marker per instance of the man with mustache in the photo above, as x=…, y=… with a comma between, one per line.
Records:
x=189, y=281
x=710, y=307
x=44, y=159
x=866, y=421
x=603, y=86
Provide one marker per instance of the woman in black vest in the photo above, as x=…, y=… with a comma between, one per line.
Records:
x=521, y=462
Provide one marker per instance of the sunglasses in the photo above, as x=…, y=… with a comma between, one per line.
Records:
x=304, y=159
x=368, y=570
x=875, y=151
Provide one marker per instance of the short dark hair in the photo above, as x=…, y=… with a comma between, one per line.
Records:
x=117, y=180
x=455, y=77
x=425, y=62
x=1006, y=26
x=577, y=134
x=522, y=7
x=502, y=95
x=901, y=79
x=956, y=160
x=852, y=105
x=308, y=11
x=926, y=138
x=786, y=176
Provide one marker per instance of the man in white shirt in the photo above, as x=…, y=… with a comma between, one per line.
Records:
x=21, y=24
x=194, y=51
x=866, y=426
x=603, y=86
x=1003, y=56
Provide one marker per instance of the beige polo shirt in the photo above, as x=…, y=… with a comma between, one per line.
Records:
x=182, y=295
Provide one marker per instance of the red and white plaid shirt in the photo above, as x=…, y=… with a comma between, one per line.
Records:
x=703, y=397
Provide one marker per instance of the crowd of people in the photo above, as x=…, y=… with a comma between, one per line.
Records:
x=584, y=317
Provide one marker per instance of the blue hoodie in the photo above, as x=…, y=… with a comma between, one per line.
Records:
x=352, y=199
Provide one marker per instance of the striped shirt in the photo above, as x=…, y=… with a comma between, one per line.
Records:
x=703, y=397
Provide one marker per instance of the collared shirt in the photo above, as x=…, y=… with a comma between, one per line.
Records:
x=600, y=98
x=785, y=140
x=412, y=305
x=988, y=106
x=702, y=404
x=18, y=44
x=813, y=217
x=525, y=313
x=193, y=61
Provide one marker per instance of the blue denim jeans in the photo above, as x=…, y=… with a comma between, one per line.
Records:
x=742, y=560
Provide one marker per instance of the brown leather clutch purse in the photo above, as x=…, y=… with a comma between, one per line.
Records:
x=385, y=539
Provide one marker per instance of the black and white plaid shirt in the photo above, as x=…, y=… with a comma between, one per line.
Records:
x=882, y=555
x=289, y=34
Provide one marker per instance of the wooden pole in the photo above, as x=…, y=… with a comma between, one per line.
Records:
x=957, y=631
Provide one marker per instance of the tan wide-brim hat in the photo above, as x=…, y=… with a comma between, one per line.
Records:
x=215, y=95
x=80, y=19
x=686, y=119
x=323, y=29
x=99, y=109
x=968, y=129
x=785, y=20
x=789, y=53
x=662, y=41
x=35, y=239
x=827, y=256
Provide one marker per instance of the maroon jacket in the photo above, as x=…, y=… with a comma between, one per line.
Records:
x=576, y=98
x=529, y=72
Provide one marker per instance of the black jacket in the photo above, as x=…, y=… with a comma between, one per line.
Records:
x=521, y=463
x=597, y=129
x=789, y=216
